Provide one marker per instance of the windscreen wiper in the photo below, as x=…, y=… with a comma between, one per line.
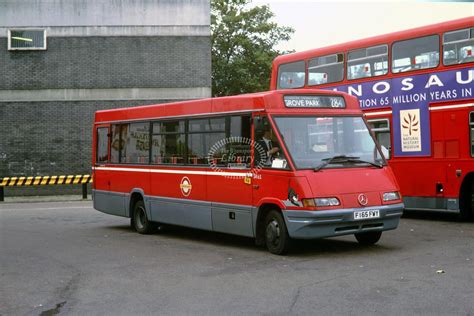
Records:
x=340, y=158
x=364, y=161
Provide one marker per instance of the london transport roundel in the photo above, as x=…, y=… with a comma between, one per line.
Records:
x=185, y=186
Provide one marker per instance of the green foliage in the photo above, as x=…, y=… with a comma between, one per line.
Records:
x=243, y=46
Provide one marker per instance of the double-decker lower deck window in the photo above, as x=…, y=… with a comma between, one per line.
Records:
x=367, y=62
x=291, y=75
x=326, y=69
x=381, y=129
x=414, y=54
x=458, y=47
x=471, y=128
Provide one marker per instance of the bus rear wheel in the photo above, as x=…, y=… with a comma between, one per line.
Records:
x=368, y=238
x=277, y=239
x=467, y=203
x=140, y=220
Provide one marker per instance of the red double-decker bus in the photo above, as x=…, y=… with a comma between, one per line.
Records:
x=273, y=166
x=416, y=89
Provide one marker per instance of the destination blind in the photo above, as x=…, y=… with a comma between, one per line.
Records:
x=314, y=101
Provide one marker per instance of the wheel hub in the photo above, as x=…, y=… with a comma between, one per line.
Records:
x=273, y=232
x=141, y=218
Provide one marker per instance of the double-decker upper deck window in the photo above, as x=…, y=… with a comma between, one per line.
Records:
x=458, y=47
x=326, y=69
x=291, y=75
x=367, y=62
x=414, y=54
x=26, y=39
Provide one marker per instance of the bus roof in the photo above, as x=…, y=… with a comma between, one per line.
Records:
x=271, y=101
x=380, y=39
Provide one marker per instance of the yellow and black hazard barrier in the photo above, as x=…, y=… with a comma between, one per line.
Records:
x=45, y=180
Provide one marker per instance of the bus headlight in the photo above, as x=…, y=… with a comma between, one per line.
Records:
x=391, y=196
x=332, y=201
x=321, y=202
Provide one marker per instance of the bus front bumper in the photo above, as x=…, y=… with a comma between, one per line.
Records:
x=331, y=223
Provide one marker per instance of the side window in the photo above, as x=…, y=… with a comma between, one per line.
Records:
x=471, y=128
x=117, y=146
x=202, y=135
x=168, y=142
x=102, y=149
x=137, y=143
x=326, y=69
x=381, y=129
x=458, y=47
x=367, y=62
x=291, y=75
x=234, y=151
x=268, y=152
x=414, y=54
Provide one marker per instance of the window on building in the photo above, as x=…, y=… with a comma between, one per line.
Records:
x=168, y=142
x=26, y=39
x=458, y=47
x=291, y=75
x=414, y=54
x=326, y=69
x=102, y=144
x=381, y=129
x=471, y=128
x=367, y=62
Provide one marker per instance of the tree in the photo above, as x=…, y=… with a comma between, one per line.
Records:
x=243, y=46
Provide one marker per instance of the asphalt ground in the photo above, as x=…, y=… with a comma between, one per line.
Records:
x=66, y=258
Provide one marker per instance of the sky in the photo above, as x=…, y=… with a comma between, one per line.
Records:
x=324, y=23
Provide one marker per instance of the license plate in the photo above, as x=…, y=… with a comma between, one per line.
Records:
x=367, y=214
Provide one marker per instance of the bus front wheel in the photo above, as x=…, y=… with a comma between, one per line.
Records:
x=277, y=239
x=140, y=220
x=368, y=238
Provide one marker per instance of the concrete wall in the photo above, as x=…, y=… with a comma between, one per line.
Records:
x=100, y=54
x=103, y=12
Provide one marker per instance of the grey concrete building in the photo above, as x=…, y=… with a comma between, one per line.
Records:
x=60, y=61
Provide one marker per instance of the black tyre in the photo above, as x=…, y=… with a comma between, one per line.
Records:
x=369, y=238
x=467, y=203
x=140, y=220
x=277, y=239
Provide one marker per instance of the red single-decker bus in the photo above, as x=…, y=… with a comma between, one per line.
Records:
x=275, y=166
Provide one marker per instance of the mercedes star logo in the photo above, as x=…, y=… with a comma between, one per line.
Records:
x=362, y=199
